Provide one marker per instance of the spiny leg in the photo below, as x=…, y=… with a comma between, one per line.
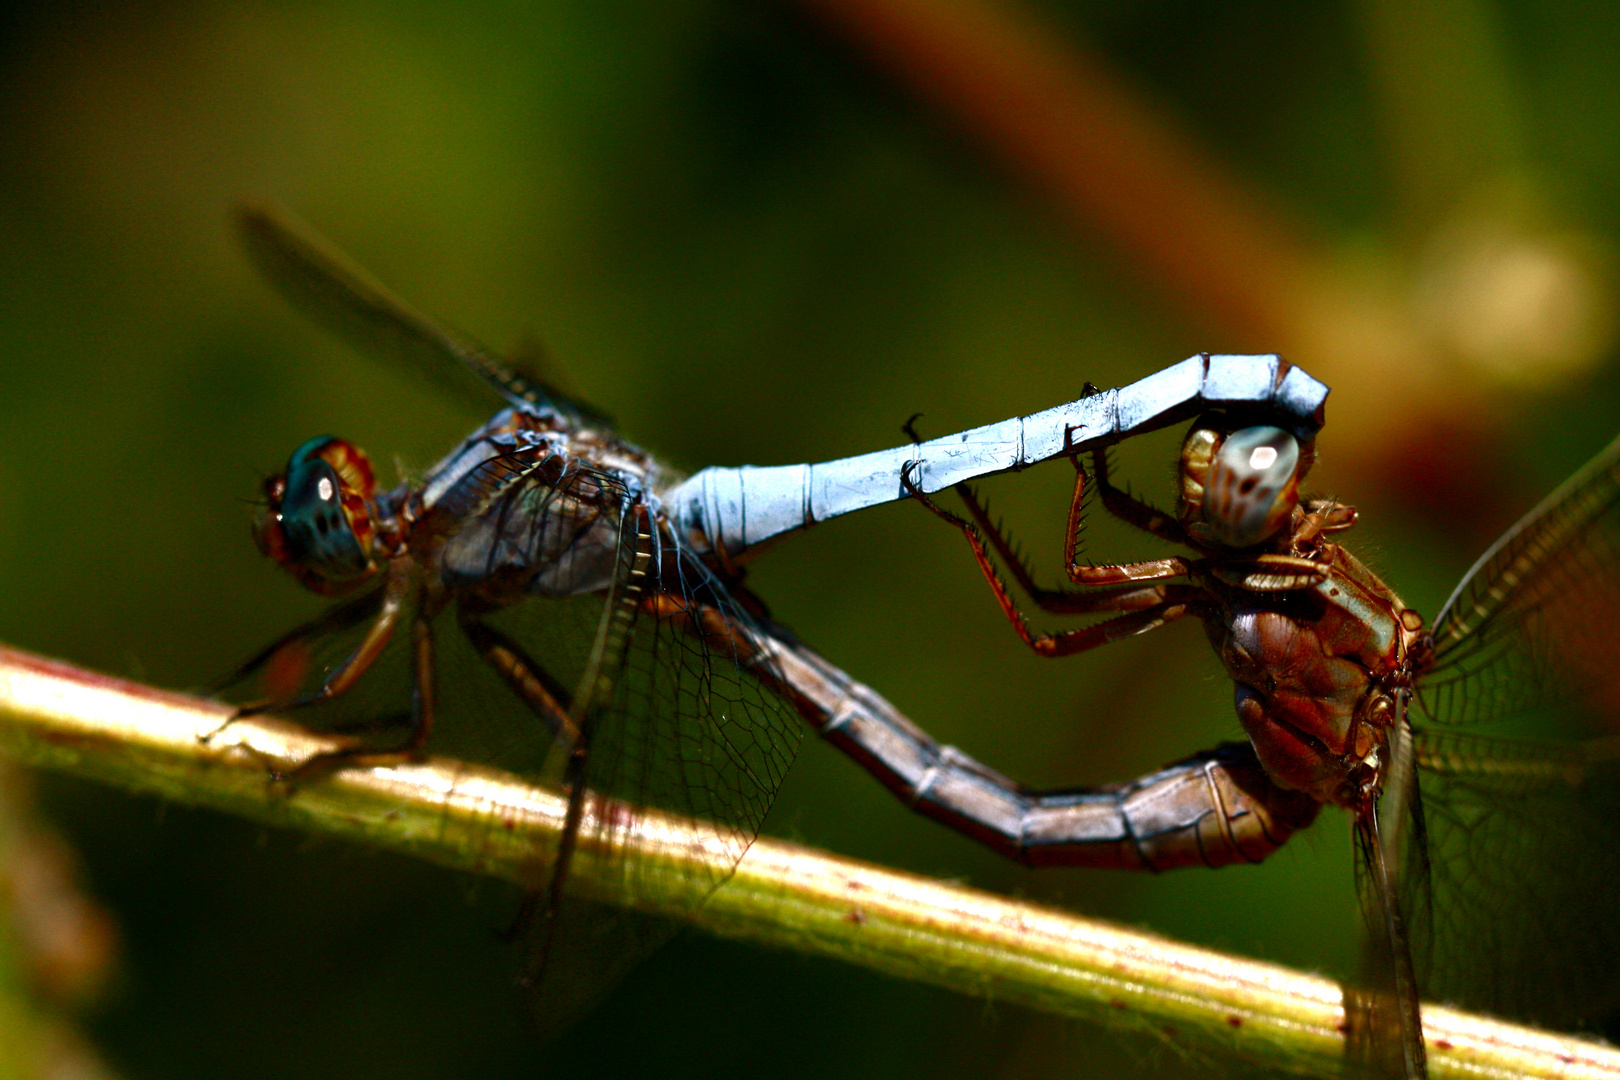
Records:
x=574, y=779
x=1054, y=600
x=1057, y=601
x=390, y=608
x=341, y=617
x=548, y=700
x=1131, y=510
x=276, y=656
x=1322, y=517
x=552, y=703
x=1118, y=502
x=424, y=709
x=1141, y=608
x=383, y=607
x=533, y=685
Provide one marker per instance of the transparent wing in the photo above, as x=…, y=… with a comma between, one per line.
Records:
x=1532, y=623
x=327, y=285
x=1383, y=1031
x=1523, y=838
x=673, y=702
x=1523, y=848
x=674, y=709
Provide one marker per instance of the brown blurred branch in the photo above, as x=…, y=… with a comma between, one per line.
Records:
x=1513, y=294
x=1107, y=162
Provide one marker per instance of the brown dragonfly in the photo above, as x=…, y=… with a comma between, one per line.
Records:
x=1487, y=867
x=607, y=599
x=577, y=612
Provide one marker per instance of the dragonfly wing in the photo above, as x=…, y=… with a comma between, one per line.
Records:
x=1525, y=837
x=1532, y=623
x=327, y=285
x=673, y=714
x=1524, y=849
x=1383, y=1029
x=578, y=948
x=691, y=725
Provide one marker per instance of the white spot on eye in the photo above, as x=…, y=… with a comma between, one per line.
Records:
x=324, y=490
x=1263, y=458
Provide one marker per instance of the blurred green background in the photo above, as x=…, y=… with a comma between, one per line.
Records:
x=761, y=233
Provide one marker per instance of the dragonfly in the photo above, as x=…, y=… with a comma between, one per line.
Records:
x=603, y=596
x=1486, y=866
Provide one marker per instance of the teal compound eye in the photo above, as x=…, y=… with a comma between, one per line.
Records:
x=318, y=525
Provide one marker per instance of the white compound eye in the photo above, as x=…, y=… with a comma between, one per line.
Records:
x=1252, y=487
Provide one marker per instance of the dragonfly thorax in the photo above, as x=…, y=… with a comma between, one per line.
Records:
x=1314, y=669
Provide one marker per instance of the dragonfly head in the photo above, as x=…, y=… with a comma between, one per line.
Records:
x=320, y=523
x=1240, y=485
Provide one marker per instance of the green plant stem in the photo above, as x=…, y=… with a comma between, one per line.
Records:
x=460, y=815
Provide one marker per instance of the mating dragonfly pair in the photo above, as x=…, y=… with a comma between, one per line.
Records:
x=607, y=600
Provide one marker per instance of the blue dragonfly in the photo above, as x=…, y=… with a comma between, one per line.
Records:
x=604, y=599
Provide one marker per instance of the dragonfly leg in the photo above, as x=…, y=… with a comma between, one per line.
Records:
x=423, y=712
x=526, y=678
x=1058, y=601
x=341, y=617
x=286, y=660
x=529, y=684
x=1092, y=601
x=1133, y=512
x=424, y=685
x=1138, y=608
x=1384, y=1026
x=1127, y=507
x=1213, y=809
x=1185, y=601
x=1271, y=573
x=1324, y=516
x=390, y=608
